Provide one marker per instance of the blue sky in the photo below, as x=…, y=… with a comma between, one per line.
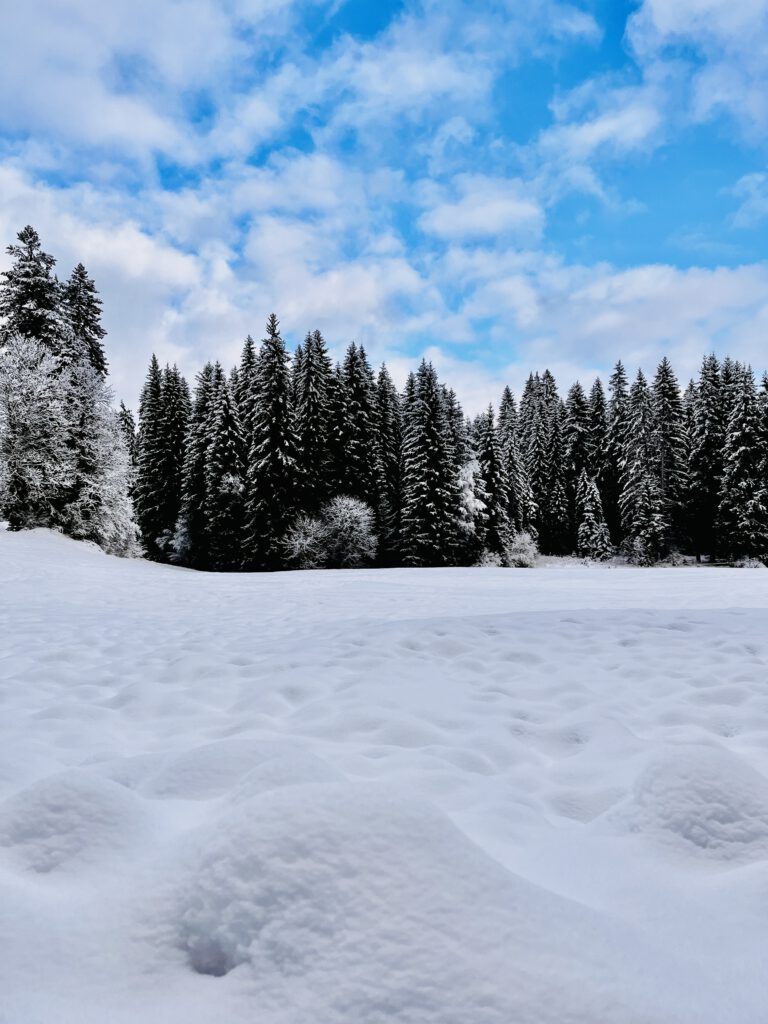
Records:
x=500, y=186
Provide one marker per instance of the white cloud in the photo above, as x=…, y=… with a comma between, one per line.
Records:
x=752, y=190
x=485, y=207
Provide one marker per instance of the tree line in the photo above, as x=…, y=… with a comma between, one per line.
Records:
x=292, y=461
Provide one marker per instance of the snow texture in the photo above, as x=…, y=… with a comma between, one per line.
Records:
x=458, y=796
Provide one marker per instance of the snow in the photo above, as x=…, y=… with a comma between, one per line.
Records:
x=476, y=796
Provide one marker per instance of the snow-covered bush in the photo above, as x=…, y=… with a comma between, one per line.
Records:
x=348, y=540
x=490, y=560
x=304, y=543
x=522, y=551
x=342, y=537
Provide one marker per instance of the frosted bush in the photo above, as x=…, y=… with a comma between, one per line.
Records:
x=342, y=537
x=522, y=551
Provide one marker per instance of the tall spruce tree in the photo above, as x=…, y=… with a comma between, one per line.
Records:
x=645, y=524
x=224, y=503
x=192, y=540
x=389, y=441
x=742, y=519
x=597, y=430
x=359, y=478
x=273, y=470
x=593, y=539
x=30, y=294
x=312, y=397
x=82, y=312
x=671, y=447
x=150, y=463
x=610, y=480
x=706, y=459
x=496, y=529
x=431, y=508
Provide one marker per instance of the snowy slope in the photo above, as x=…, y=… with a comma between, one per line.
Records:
x=433, y=797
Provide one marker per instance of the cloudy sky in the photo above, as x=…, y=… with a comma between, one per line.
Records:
x=500, y=185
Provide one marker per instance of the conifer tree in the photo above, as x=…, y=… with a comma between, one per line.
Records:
x=457, y=427
x=610, y=479
x=312, y=396
x=150, y=463
x=430, y=488
x=224, y=503
x=496, y=532
x=706, y=458
x=273, y=472
x=388, y=446
x=82, y=312
x=192, y=540
x=30, y=294
x=359, y=477
x=593, y=539
x=556, y=534
x=507, y=418
x=246, y=388
x=576, y=447
x=643, y=508
x=337, y=433
x=670, y=445
x=743, y=512
x=597, y=431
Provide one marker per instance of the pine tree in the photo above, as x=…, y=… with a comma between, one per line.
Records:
x=97, y=505
x=643, y=509
x=706, y=459
x=593, y=539
x=246, y=387
x=224, y=503
x=430, y=488
x=507, y=419
x=128, y=430
x=311, y=390
x=496, y=532
x=388, y=447
x=670, y=446
x=150, y=463
x=82, y=312
x=192, y=540
x=273, y=472
x=457, y=427
x=597, y=431
x=610, y=479
x=176, y=408
x=576, y=448
x=30, y=295
x=743, y=513
x=335, y=472
x=359, y=477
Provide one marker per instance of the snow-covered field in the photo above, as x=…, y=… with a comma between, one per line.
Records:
x=450, y=796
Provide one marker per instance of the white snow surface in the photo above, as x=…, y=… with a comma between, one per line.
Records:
x=462, y=796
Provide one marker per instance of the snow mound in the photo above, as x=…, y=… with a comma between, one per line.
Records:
x=703, y=801
x=70, y=819
x=210, y=770
x=355, y=903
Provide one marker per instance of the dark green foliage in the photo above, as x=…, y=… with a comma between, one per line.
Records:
x=311, y=390
x=30, y=294
x=742, y=519
x=430, y=490
x=273, y=472
x=82, y=312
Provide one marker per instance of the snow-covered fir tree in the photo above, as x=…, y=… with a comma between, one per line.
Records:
x=592, y=539
x=706, y=459
x=82, y=311
x=224, y=503
x=644, y=519
x=430, y=488
x=492, y=471
x=273, y=479
x=742, y=519
x=389, y=440
x=311, y=377
x=191, y=542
